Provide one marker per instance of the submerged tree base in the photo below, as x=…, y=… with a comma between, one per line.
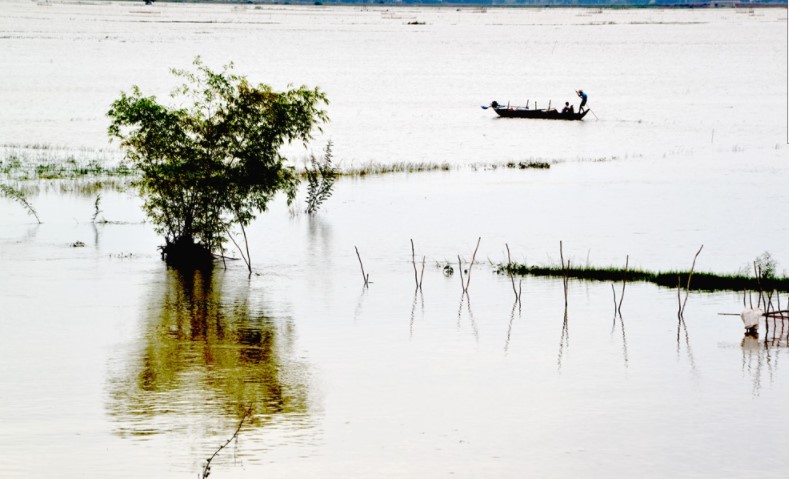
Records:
x=670, y=279
x=185, y=253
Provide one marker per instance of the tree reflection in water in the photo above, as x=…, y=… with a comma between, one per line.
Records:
x=207, y=351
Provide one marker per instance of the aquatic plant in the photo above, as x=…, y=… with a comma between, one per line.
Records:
x=321, y=175
x=213, y=164
x=22, y=162
x=96, y=208
x=19, y=196
x=765, y=265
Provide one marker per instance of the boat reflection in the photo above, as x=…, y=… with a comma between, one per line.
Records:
x=207, y=351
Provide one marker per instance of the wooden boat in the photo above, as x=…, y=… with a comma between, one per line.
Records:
x=525, y=112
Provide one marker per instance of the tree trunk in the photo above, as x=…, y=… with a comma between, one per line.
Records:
x=183, y=252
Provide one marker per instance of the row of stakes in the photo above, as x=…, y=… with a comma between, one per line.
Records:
x=750, y=316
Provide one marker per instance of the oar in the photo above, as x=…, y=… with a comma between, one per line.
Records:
x=590, y=111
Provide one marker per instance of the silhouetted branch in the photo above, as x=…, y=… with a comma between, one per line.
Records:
x=246, y=261
x=207, y=466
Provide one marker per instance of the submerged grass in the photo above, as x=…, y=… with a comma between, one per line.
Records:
x=668, y=279
x=31, y=166
x=374, y=168
x=45, y=162
x=35, y=167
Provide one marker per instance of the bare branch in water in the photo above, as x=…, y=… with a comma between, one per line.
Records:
x=690, y=275
x=624, y=283
x=365, y=277
x=207, y=466
x=468, y=275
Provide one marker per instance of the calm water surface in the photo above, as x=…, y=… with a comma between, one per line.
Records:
x=115, y=366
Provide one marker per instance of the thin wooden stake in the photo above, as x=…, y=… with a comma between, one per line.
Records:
x=460, y=270
x=468, y=276
x=565, y=273
x=365, y=277
x=422, y=274
x=613, y=290
x=624, y=282
x=758, y=272
x=690, y=275
x=512, y=277
x=246, y=246
x=413, y=262
x=679, y=297
x=566, y=282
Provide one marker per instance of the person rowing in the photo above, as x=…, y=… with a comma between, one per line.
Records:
x=584, y=97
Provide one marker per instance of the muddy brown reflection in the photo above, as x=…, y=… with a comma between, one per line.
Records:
x=208, y=350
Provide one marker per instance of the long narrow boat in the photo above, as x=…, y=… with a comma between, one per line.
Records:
x=526, y=112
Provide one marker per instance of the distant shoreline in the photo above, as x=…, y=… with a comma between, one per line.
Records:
x=624, y=4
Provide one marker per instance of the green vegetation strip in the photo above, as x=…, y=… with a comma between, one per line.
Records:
x=669, y=279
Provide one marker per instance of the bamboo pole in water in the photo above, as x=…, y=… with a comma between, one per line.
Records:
x=690, y=275
x=565, y=277
x=468, y=275
x=365, y=277
x=624, y=283
x=422, y=274
x=413, y=262
x=512, y=277
x=460, y=270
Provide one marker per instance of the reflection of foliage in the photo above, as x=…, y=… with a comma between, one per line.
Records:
x=205, y=355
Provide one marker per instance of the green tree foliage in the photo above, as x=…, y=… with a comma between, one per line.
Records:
x=213, y=161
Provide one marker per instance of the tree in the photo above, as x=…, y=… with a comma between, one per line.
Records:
x=213, y=162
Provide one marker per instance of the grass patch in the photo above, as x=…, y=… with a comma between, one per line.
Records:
x=668, y=279
x=12, y=167
x=528, y=164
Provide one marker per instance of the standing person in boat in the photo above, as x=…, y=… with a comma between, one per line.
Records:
x=568, y=108
x=584, y=97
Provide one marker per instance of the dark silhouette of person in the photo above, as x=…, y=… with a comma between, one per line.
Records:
x=584, y=97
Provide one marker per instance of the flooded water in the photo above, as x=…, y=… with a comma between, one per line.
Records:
x=115, y=366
